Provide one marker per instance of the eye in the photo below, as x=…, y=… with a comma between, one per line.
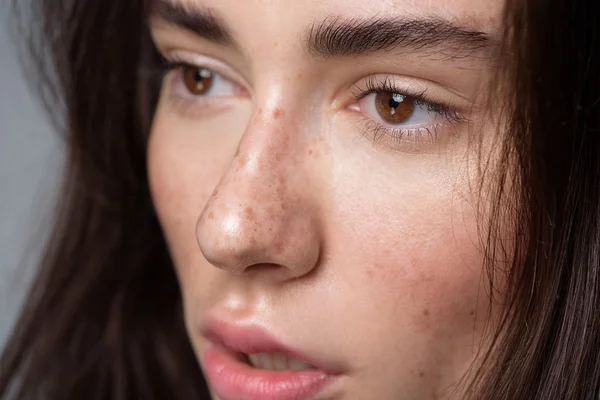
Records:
x=200, y=81
x=398, y=109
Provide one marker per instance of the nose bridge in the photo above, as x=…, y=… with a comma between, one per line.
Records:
x=260, y=212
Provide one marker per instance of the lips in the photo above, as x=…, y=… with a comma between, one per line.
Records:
x=246, y=363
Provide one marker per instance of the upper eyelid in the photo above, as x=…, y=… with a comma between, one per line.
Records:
x=193, y=60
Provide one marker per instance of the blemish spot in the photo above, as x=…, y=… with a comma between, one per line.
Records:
x=278, y=113
x=299, y=75
x=215, y=194
x=260, y=111
x=310, y=152
x=279, y=248
x=211, y=215
x=275, y=43
x=243, y=160
x=426, y=312
x=492, y=20
x=249, y=214
x=421, y=374
x=472, y=313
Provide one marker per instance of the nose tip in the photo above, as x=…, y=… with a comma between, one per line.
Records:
x=241, y=238
x=256, y=217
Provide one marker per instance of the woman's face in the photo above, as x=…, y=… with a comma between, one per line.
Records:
x=313, y=167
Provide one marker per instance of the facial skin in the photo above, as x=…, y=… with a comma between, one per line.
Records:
x=289, y=204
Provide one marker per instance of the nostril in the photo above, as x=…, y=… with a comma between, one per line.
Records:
x=261, y=268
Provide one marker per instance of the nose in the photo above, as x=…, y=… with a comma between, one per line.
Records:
x=262, y=217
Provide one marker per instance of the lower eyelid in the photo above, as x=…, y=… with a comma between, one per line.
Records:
x=195, y=107
x=405, y=139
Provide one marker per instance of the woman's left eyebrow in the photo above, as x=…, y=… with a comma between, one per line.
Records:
x=336, y=37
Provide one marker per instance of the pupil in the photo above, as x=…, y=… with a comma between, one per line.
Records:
x=395, y=100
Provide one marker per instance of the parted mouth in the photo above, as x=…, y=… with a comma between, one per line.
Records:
x=277, y=362
x=255, y=347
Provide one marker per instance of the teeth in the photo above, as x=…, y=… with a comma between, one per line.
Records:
x=277, y=362
x=266, y=360
x=280, y=362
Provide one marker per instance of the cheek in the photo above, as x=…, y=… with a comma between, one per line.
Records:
x=409, y=268
x=184, y=166
x=430, y=271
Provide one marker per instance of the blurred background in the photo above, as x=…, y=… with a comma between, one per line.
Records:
x=30, y=164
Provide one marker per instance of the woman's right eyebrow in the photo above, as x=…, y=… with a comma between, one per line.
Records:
x=202, y=22
x=432, y=37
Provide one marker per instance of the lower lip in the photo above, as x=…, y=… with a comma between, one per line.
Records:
x=231, y=378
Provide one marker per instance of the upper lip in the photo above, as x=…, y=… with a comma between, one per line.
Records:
x=251, y=339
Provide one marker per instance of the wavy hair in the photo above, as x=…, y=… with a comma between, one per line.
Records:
x=103, y=319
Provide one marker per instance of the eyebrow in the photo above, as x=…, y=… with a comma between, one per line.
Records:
x=335, y=37
x=199, y=21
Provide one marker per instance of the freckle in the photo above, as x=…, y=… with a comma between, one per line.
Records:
x=472, y=313
x=278, y=113
x=426, y=312
x=492, y=20
x=421, y=374
x=215, y=194
x=279, y=248
x=243, y=160
x=282, y=180
x=310, y=152
x=211, y=215
x=260, y=111
x=299, y=75
x=275, y=43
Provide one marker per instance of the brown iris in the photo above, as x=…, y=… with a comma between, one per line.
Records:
x=394, y=108
x=198, y=80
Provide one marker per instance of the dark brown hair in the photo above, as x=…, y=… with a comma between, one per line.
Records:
x=104, y=318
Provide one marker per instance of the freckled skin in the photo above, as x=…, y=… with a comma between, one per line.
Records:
x=280, y=211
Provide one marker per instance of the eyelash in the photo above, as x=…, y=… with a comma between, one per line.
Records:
x=379, y=131
x=376, y=130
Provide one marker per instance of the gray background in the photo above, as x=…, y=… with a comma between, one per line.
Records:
x=30, y=164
